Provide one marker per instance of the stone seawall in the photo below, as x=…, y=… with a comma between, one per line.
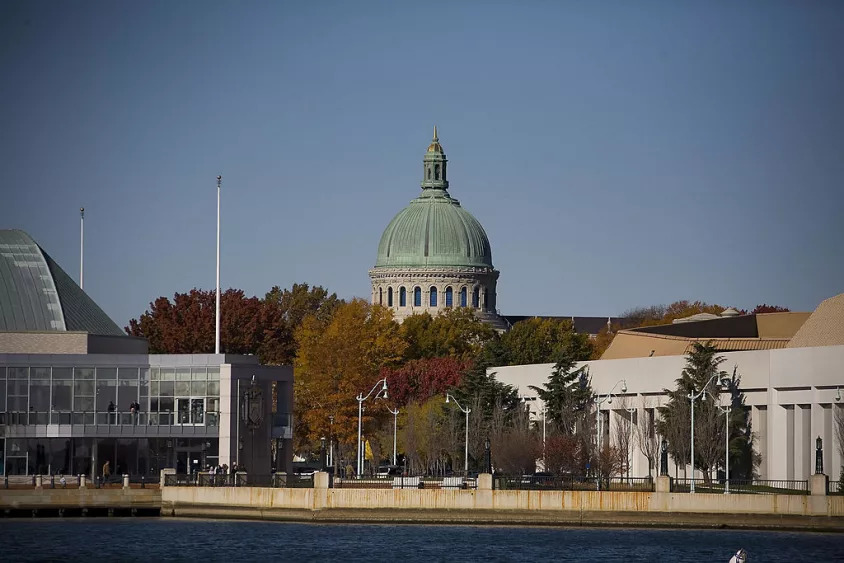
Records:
x=79, y=501
x=562, y=508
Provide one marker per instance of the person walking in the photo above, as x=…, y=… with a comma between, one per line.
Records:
x=106, y=472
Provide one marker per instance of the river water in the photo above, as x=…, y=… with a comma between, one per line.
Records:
x=141, y=539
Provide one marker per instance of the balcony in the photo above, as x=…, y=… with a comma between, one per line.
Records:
x=58, y=424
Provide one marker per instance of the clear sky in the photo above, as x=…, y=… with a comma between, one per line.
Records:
x=617, y=153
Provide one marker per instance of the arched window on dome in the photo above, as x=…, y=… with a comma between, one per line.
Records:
x=436, y=172
x=389, y=297
x=476, y=298
x=417, y=296
x=463, y=296
x=380, y=295
x=402, y=297
x=433, y=297
x=429, y=172
x=449, y=297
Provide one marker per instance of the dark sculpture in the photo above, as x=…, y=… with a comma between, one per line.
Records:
x=819, y=456
x=663, y=458
x=487, y=457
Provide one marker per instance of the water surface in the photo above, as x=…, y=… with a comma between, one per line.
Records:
x=167, y=539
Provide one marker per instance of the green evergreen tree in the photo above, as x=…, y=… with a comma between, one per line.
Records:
x=568, y=393
x=744, y=460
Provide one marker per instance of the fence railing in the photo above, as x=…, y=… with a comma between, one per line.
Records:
x=274, y=481
x=571, y=483
x=835, y=488
x=743, y=486
x=406, y=482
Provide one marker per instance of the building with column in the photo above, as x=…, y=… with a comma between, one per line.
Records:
x=434, y=254
x=791, y=373
x=76, y=391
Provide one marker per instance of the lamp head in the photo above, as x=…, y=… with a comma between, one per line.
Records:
x=384, y=393
x=609, y=401
x=725, y=383
x=838, y=395
x=623, y=386
x=447, y=398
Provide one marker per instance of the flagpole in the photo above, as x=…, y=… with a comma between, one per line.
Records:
x=81, y=248
x=217, y=315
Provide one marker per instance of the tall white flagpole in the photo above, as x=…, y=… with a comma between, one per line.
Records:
x=217, y=331
x=82, y=248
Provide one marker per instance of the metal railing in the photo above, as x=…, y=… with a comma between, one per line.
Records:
x=406, y=482
x=274, y=481
x=743, y=486
x=116, y=418
x=571, y=483
x=835, y=488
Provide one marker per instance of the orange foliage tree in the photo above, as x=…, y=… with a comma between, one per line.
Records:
x=340, y=357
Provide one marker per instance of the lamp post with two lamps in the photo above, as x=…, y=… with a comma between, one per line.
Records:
x=466, y=411
x=725, y=381
x=599, y=400
x=381, y=394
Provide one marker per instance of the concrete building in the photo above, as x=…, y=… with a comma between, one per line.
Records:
x=76, y=391
x=434, y=254
x=791, y=372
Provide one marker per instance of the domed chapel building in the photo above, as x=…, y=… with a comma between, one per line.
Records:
x=434, y=254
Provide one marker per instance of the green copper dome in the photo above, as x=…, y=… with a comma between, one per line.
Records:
x=434, y=230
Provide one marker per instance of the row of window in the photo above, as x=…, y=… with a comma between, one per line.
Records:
x=432, y=297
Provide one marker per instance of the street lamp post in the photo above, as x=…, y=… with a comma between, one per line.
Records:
x=544, y=462
x=395, y=414
x=331, y=440
x=381, y=394
x=466, y=411
x=692, y=398
x=599, y=400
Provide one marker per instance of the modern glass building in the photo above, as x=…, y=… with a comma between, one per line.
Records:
x=75, y=393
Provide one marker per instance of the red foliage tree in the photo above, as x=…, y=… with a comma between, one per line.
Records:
x=419, y=380
x=185, y=325
x=769, y=309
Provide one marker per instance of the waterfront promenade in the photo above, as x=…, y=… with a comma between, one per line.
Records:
x=483, y=505
x=320, y=503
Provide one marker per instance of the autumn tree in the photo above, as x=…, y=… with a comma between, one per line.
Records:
x=340, y=357
x=186, y=324
x=283, y=312
x=769, y=309
x=624, y=433
x=646, y=435
x=419, y=380
x=540, y=341
x=456, y=332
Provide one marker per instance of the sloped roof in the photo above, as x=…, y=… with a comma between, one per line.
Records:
x=824, y=327
x=633, y=344
x=37, y=295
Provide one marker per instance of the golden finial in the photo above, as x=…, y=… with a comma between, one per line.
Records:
x=435, y=133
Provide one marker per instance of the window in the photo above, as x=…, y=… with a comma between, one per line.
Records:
x=449, y=297
x=437, y=172
x=402, y=297
x=389, y=297
x=463, y=297
x=432, y=299
x=380, y=296
x=476, y=298
x=417, y=296
x=429, y=173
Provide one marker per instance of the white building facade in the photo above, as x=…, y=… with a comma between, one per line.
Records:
x=793, y=394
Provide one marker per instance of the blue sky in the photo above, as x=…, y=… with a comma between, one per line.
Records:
x=617, y=153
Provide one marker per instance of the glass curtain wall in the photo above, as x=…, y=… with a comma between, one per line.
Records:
x=86, y=396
